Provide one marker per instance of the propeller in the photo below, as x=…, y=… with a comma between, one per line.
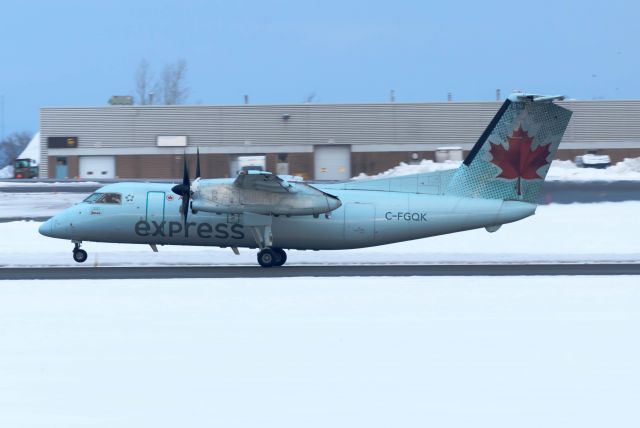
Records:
x=184, y=189
x=197, y=162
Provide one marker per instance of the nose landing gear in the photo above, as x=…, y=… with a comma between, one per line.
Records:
x=79, y=255
x=272, y=256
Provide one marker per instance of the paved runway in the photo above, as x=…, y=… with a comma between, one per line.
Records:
x=81, y=272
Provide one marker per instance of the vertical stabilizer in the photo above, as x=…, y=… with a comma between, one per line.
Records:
x=511, y=158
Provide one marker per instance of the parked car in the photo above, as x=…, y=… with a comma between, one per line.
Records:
x=593, y=160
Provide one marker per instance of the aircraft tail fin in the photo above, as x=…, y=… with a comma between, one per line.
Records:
x=511, y=158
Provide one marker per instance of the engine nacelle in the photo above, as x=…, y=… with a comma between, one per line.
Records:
x=228, y=199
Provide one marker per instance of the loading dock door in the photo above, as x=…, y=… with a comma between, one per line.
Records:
x=97, y=167
x=332, y=162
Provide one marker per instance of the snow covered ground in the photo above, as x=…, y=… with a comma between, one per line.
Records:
x=308, y=352
x=31, y=205
x=557, y=233
x=31, y=183
x=628, y=169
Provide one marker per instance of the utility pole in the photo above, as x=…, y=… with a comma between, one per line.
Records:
x=392, y=96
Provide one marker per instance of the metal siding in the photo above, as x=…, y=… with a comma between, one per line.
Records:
x=261, y=128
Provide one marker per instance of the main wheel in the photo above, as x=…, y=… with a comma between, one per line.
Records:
x=281, y=256
x=267, y=257
x=79, y=255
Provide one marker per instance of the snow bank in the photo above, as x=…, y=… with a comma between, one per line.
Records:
x=32, y=151
x=599, y=232
x=628, y=169
x=6, y=172
x=407, y=169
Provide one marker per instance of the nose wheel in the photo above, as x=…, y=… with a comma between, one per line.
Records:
x=268, y=257
x=79, y=255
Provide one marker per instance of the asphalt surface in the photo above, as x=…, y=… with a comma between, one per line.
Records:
x=80, y=272
x=568, y=192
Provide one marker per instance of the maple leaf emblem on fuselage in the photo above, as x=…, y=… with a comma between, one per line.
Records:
x=519, y=160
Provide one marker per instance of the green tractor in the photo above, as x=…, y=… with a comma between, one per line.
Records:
x=25, y=168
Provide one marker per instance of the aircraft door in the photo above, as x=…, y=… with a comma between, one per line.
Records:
x=358, y=222
x=155, y=206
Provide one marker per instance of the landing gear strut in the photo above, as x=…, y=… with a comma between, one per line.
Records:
x=260, y=226
x=79, y=255
x=268, y=257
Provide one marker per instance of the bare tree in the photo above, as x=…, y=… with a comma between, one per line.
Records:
x=170, y=88
x=12, y=146
x=174, y=86
x=147, y=91
x=310, y=97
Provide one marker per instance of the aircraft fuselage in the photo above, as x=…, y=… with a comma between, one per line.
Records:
x=149, y=213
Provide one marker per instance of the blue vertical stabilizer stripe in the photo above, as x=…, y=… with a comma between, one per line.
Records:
x=476, y=148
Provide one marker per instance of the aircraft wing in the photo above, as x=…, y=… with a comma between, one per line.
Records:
x=261, y=180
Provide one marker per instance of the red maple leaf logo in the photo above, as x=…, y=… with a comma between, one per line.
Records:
x=519, y=160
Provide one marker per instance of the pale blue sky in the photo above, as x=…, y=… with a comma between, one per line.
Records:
x=79, y=53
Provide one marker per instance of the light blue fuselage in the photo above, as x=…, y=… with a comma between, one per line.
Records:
x=149, y=214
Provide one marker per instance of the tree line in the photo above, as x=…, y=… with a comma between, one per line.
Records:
x=167, y=87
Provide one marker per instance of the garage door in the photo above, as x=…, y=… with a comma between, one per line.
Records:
x=97, y=167
x=332, y=162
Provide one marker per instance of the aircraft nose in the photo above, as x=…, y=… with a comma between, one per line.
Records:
x=46, y=228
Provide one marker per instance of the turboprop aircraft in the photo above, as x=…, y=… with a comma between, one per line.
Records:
x=499, y=182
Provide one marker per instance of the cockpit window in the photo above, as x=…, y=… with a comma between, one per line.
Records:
x=104, y=198
x=110, y=198
x=93, y=197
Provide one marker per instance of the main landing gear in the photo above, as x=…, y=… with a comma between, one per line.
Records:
x=271, y=256
x=268, y=255
x=79, y=255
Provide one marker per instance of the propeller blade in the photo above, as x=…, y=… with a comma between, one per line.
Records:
x=185, y=175
x=185, y=187
x=185, y=207
x=184, y=190
x=197, y=162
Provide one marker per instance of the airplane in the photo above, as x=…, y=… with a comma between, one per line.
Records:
x=498, y=182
